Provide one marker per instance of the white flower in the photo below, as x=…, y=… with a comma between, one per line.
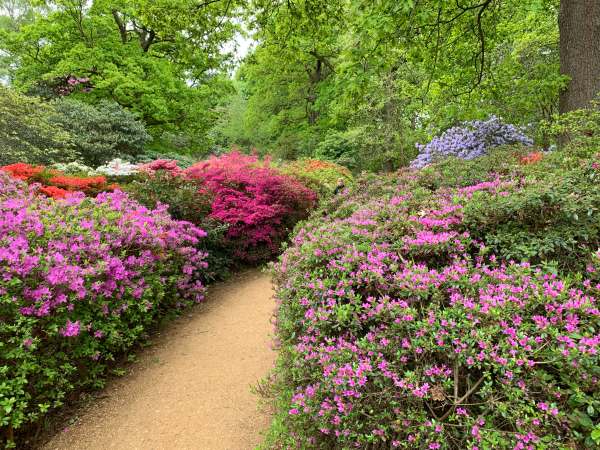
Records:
x=73, y=168
x=117, y=167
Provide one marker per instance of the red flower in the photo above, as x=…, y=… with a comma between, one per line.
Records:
x=22, y=171
x=84, y=184
x=532, y=158
x=54, y=192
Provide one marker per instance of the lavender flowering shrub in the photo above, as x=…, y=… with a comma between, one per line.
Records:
x=471, y=140
x=81, y=280
x=399, y=330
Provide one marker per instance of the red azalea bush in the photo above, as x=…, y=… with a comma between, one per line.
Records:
x=87, y=185
x=259, y=204
x=54, y=192
x=55, y=183
x=22, y=171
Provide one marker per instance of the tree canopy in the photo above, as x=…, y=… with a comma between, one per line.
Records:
x=162, y=59
x=359, y=80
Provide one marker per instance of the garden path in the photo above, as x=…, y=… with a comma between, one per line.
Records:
x=192, y=388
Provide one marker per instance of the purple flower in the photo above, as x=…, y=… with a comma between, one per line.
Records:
x=71, y=329
x=470, y=140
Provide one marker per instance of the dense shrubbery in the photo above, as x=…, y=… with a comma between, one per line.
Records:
x=323, y=177
x=246, y=206
x=186, y=202
x=470, y=140
x=101, y=132
x=28, y=133
x=55, y=183
x=36, y=132
x=398, y=328
x=547, y=213
x=81, y=281
x=117, y=168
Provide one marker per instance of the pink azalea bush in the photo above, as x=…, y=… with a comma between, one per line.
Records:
x=397, y=329
x=259, y=204
x=81, y=280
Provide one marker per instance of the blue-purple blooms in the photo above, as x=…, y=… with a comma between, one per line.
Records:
x=470, y=140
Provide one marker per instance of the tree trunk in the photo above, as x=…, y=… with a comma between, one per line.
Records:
x=579, y=25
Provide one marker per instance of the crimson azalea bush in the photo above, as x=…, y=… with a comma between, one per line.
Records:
x=258, y=203
x=81, y=280
x=399, y=330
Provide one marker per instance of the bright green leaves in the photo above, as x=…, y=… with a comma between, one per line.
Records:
x=162, y=59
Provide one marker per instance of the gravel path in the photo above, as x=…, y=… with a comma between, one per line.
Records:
x=192, y=388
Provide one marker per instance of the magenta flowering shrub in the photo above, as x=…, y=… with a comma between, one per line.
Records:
x=81, y=280
x=399, y=330
x=259, y=204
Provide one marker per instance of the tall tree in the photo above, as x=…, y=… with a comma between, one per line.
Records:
x=162, y=59
x=579, y=23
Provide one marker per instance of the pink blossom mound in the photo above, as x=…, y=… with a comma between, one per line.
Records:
x=399, y=330
x=259, y=204
x=167, y=165
x=81, y=281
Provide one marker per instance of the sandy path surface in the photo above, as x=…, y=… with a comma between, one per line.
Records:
x=192, y=388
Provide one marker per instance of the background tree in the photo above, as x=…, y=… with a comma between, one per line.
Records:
x=579, y=23
x=28, y=133
x=102, y=132
x=161, y=59
x=369, y=79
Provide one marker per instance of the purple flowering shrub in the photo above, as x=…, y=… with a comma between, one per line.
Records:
x=399, y=330
x=81, y=280
x=470, y=140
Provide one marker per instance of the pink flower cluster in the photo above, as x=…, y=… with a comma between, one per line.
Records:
x=259, y=204
x=397, y=329
x=81, y=280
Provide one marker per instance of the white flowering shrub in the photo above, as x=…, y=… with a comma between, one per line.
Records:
x=73, y=168
x=117, y=168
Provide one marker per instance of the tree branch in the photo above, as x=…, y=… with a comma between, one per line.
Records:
x=121, y=25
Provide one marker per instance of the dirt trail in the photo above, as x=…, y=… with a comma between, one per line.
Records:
x=192, y=388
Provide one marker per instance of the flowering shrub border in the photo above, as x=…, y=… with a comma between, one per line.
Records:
x=56, y=184
x=398, y=329
x=82, y=279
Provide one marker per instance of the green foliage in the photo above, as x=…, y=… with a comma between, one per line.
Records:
x=102, y=132
x=547, y=218
x=323, y=177
x=28, y=132
x=548, y=214
x=370, y=79
x=340, y=148
x=187, y=202
x=161, y=59
x=578, y=130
